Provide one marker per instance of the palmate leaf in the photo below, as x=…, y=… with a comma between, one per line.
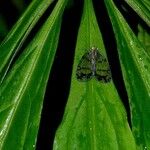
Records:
x=22, y=91
x=94, y=117
x=12, y=43
x=135, y=62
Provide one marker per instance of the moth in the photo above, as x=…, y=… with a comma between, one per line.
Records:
x=93, y=65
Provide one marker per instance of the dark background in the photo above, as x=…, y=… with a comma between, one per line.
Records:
x=60, y=76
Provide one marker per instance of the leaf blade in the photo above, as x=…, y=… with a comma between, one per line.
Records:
x=20, y=109
x=142, y=8
x=12, y=43
x=134, y=61
x=92, y=105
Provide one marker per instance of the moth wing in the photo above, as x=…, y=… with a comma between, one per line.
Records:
x=84, y=71
x=102, y=72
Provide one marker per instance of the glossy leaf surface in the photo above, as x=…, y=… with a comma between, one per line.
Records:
x=94, y=117
x=135, y=64
x=22, y=91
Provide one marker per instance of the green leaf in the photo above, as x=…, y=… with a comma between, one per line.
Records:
x=94, y=117
x=22, y=91
x=136, y=71
x=142, y=7
x=144, y=37
x=12, y=43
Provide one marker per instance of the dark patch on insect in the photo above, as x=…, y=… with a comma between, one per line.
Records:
x=93, y=64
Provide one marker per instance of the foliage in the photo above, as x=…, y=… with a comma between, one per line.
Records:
x=94, y=116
